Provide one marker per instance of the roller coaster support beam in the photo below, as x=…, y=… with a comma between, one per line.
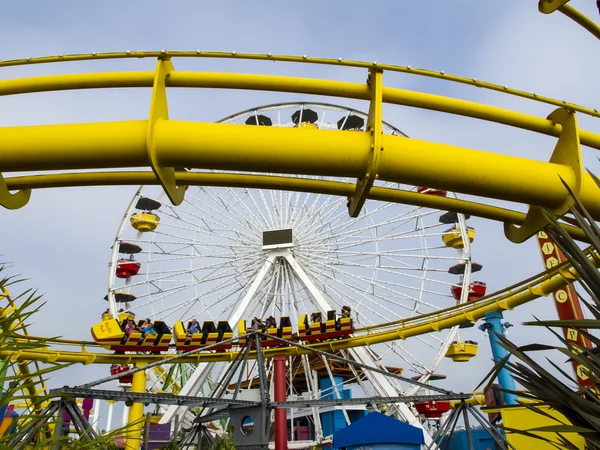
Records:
x=136, y=412
x=494, y=327
x=549, y=6
x=280, y=396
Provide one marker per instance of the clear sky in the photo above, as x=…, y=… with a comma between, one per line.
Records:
x=61, y=240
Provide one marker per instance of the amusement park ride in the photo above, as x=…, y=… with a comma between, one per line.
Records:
x=237, y=275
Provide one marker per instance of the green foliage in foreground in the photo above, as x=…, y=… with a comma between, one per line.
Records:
x=17, y=375
x=580, y=405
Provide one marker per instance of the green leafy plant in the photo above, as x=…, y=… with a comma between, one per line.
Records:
x=560, y=391
x=22, y=381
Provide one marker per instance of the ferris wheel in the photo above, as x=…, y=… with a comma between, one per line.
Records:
x=227, y=254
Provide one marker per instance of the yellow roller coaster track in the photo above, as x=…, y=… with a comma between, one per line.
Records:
x=541, y=285
x=163, y=144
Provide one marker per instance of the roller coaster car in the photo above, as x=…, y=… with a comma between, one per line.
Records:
x=111, y=335
x=284, y=331
x=208, y=335
x=331, y=329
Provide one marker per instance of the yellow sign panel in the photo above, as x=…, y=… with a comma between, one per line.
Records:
x=548, y=248
x=551, y=262
x=561, y=296
x=521, y=418
x=582, y=372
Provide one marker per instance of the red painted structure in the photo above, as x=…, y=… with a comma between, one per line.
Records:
x=280, y=396
x=566, y=301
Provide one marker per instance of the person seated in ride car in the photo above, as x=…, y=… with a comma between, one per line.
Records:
x=130, y=327
x=271, y=322
x=259, y=324
x=147, y=327
x=346, y=311
x=193, y=327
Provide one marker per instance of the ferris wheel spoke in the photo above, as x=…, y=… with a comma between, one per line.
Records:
x=396, y=272
x=365, y=302
x=241, y=220
x=170, y=309
x=357, y=281
x=346, y=228
x=386, y=233
x=167, y=277
x=208, y=225
x=394, y=256
x=205, y=221
x=258, y=209
x=249, y=216
x=164, y=293
x=392, y=271
x=325, y=212
x=415, y=364
x=270, y=224
x=340, y=222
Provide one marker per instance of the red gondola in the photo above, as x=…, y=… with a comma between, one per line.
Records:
x=477, y=289
x=127, y=268
x=116, y=369
x=433, y=409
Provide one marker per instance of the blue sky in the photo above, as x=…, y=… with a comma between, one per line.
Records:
x=62, y=239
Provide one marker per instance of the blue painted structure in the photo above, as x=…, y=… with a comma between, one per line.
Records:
x=481, y=440
x=494, y=326
x=331, y=421
x=378, y=432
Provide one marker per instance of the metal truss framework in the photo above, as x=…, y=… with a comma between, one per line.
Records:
x=210, y=402
x=446, y=431
x=26, y=436
x=225, y=406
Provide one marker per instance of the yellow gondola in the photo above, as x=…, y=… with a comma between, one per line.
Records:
x=453, y=237
x=144, y=222
x=462, y=351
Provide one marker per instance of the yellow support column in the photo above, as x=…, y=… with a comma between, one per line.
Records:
x=136, y=412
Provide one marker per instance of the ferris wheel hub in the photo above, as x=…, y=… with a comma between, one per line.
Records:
x=278, y=239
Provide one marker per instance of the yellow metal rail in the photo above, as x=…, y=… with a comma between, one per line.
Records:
x=278, y=183
x=309, y=86
x=163, y=144
x=304, y=59
x=543, y=285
